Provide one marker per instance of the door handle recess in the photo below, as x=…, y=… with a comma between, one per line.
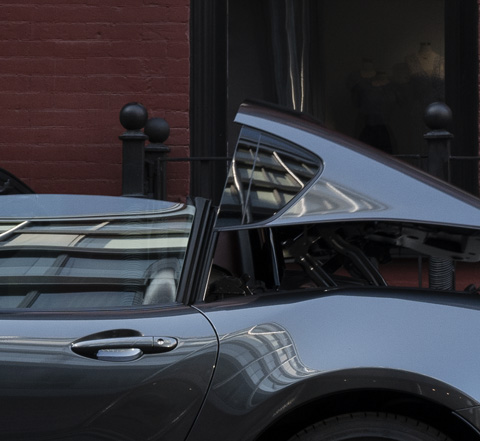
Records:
x=123, y=348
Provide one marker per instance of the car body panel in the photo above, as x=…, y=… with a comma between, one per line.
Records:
x=282, y=351
x=74, y=366
x=279, y=352
x=50, y=392
x=51, y=206
x=357, y=181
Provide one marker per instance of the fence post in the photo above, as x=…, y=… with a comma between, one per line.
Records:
x=438, y=117
x=133, y=117
x=157, y=130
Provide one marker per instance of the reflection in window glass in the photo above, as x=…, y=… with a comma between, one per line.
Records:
x=266, y=174
x=130, y=260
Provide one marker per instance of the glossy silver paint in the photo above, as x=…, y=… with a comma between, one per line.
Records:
x=278, y=353
x=98, y=373
x=240, y=368
x=48, y=391
x=359, y=182
x=48, y=206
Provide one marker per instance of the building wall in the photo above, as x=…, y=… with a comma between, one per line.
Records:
x=66, y=69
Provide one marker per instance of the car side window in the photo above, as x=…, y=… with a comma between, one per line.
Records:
x=107, y=262
x=265, y=175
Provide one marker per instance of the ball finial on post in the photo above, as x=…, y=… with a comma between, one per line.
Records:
x=157, y=130
x=438, y=116
x=133, y=116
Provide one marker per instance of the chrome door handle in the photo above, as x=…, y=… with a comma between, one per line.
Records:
x=123, y=348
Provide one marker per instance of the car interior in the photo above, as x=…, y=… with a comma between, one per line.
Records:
x=352, y=254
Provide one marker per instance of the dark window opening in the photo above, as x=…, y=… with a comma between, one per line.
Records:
x=350, y=255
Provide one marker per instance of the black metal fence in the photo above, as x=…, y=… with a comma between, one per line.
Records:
x=438, y=160
x=144, y=172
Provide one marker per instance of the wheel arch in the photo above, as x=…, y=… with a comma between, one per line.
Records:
x=398, y=400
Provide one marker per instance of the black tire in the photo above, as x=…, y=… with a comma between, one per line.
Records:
x=370, y=426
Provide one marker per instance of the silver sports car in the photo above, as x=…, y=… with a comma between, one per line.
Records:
x=333, y=295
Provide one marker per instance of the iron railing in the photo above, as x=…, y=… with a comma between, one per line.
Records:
x=144, y=170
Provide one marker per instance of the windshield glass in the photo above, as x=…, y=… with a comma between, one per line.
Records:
x=93, y=262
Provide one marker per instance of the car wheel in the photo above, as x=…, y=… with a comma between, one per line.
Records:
x=370, y=426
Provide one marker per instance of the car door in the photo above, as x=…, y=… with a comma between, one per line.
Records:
x=93, y=345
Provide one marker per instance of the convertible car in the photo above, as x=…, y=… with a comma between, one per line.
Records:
x=333, y=295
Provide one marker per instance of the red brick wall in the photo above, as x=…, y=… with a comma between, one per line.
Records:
x=66, y=69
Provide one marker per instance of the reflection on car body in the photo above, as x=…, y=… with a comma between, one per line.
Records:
x=261, y=360
x=332, y=295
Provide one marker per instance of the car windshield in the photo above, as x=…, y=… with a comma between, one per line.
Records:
x=93, y=261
